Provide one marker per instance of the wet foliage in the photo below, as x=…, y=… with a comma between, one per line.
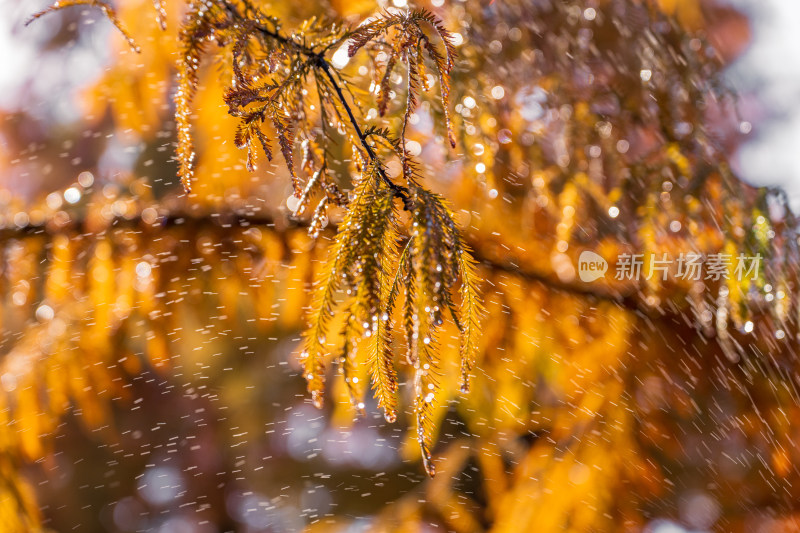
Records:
x=443, y=169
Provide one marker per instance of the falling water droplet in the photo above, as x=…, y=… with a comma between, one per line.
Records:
x=317, y=399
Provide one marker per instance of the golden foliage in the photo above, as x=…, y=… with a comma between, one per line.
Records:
x=581, y=395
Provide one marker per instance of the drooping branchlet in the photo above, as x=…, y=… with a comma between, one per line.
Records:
x=283, y=89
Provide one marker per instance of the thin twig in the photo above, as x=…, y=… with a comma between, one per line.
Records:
x=324, y=65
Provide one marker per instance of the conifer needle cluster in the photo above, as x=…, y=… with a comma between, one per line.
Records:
x=284, y=91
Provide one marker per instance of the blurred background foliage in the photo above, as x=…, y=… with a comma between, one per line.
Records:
x=149, y=370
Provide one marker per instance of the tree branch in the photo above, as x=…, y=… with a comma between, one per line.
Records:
x=230, y=219
x=319, y=60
